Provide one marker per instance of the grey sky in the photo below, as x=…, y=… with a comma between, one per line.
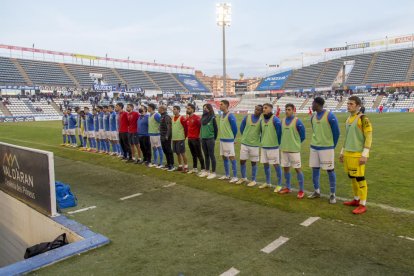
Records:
x=183, y=31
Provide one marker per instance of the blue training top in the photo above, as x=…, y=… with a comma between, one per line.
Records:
x=106, y=121
x=100, y=119
x=72, y=121
x=143, y=125
x=89, y=122
x=113, y=121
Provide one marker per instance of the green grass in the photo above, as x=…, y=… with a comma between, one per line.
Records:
x=201, y=227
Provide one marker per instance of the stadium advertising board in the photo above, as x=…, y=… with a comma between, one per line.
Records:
x=18, y=87
x=103, y=87
x=274, y=82
x=13, y=119
x=28, y=175
x=191, y=83
x=240, y=86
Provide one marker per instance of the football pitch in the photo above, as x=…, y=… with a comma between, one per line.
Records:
x=178, y=224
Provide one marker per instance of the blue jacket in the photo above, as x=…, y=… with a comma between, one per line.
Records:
x=143, y=125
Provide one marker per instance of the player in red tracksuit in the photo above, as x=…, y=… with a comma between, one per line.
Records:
x=133, y=138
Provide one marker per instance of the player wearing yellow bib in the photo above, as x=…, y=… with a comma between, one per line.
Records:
x=227, y=135
x=271, y=133
x=293, y=134
x=355, y=153
x=250, y=144
x=322, y=148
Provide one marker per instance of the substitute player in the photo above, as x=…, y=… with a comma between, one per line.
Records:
x=90, y=129
x=113, y=131
x=293, y=134
x=65, y=129
x=155, y=138
x=227, y=135
x=179, y=134
x=270, y=140
x=355, y=153
x=72, y=127
x=250, y=144
x=324, y=139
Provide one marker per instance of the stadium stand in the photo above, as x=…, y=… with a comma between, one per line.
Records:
x=166, y=81
x=9, y=75
x=305, y=77
x=391, y=66
x=137, y=78
x=75, y=75
x=45, y=73
x=249, y=104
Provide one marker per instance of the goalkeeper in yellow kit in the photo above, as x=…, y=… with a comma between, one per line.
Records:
x=355, y=153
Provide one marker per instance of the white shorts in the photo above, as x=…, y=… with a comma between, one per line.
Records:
x=90, y=134
x=155, y=141
x=227, y=149
x=291, y=159
x=113, y=135
x=249, y=153
x=270, y=156
x=324, y=159
x=71, y=131
x=64, y=131
x=100, y=134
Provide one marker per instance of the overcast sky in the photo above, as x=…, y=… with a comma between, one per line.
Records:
x=184, y=31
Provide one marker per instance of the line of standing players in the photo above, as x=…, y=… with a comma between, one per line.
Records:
x=146, y=136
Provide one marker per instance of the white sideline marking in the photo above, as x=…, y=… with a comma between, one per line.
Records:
x=130, y=196
x=407, y=238
x=309, y=221
x=169, y=185
x=231, y=272
x=274, y=244
x=379, y=205
x=82, y=210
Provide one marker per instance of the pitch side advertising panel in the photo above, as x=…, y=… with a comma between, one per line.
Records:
x=274, y=82
x=191, y=83
x=28, y=175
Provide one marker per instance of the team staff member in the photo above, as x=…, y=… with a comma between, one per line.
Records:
x=270, y=141
x=227, y=134
x=293, y=134
x=324, y=139
x=166, y=137
x=144, y=139
x=123, y=132
x=179, y=133
x=250, y=144
x=208, y=134
x=194, y=125
x=355, y=153
x=133, y=132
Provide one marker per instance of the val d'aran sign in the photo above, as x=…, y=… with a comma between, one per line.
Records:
x=28, y=175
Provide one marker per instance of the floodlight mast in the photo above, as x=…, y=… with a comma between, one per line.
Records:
x=223, y=13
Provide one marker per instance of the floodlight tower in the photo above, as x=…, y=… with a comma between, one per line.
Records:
x=223, y=19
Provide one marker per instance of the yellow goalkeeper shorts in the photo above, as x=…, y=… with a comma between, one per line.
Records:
x=352, y=166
